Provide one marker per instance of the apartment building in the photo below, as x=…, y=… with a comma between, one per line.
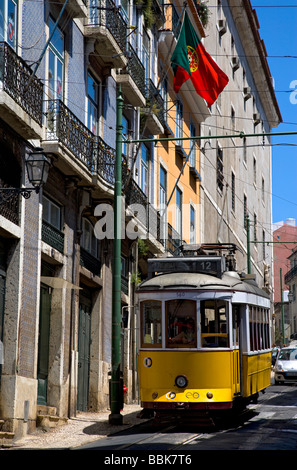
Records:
x=62, y=64
x=236, y=172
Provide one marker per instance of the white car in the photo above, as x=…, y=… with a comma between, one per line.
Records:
x=286, y=365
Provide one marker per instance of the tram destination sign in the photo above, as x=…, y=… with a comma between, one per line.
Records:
x=213, y=265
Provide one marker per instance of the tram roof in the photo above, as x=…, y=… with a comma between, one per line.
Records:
x=230, y=280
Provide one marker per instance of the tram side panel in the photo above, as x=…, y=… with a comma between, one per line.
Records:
x=210, y=378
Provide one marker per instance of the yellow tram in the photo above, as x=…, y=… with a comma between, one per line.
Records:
x=204, y=342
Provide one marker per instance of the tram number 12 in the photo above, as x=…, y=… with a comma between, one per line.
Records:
x=206, y=265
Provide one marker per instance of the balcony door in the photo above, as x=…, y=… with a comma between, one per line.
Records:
x=56, y=63
x=8, y=22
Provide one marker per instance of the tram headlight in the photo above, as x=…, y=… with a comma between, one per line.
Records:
x=181, y=381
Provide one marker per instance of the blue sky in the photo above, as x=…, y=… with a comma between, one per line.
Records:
x=278, y=29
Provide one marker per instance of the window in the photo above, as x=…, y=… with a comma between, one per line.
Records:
x=8, y=22
x=179, y=121
x=92, y=104
x=263, y=190
x=244, y=150
x=214, y=326
x=146, y=56
x=163, y=93
x=259, y=328
x=151, y=326
x=233, y=191
x=192, y=147
x=245, y=213
x=163, y=188
x=220, y=169
x=125, y=135
x=192, y=225
x=51, y=213
x=178, y=212
x=56, y=63
x=263, y=248
x=125, y=9
x=255, y=170
x=255, y=227
x=181, y=323
x=88, y=239
x=144, y=162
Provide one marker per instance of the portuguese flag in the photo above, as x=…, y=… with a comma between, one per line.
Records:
x=190, y=60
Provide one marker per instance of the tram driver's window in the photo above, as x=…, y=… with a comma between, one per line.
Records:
x=151, y=323
x=181, y=323
x=214, y=329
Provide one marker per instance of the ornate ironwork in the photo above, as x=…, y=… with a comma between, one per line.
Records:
x=135, y=70
x=18, y=82
x=7, y=193
x=155, y=101
x=52, y=236
x=105, y=13
x=64, y=126
x=89, y=262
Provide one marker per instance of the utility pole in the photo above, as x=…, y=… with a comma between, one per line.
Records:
x=282, y=304
x=116, y=385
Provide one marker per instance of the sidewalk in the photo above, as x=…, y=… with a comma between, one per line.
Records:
x=84, y=428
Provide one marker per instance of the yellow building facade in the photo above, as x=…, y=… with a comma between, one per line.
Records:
x=178, y=161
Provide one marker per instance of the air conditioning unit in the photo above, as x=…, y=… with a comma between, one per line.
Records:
x=256, y=118
x=222, y=27
x=247, y=93
x=235, y=63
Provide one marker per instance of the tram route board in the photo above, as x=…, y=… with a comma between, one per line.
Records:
x=214, y=265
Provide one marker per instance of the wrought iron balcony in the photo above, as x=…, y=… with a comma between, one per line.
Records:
x=65, y=127
x=9, y=208
x=132, y=79
x=89, y=262
x=52, y=236
x=290, y=274
x=107, y=25
x=154, y=114
x=26, y=91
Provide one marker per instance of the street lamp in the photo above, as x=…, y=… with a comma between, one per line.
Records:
x=37, y=168
x=37, y=165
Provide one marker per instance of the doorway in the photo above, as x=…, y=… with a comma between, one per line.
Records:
x=84, y=343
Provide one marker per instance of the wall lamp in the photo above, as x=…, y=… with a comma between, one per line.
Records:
x=37, y=165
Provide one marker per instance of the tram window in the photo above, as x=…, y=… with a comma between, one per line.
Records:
x=236, y=320
x=259, y=328
x=214, y=330
x=151, y=323
x=181, y=323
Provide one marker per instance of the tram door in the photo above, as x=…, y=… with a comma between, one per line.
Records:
x=84, y=342
x=236, y=318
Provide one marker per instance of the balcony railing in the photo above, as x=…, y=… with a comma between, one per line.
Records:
x=135, y=69
x=105, y=13
x=18, y=82
x=89, y=262
x=290, y=274
x=155, y=101
x=64, y=126
x=52, y=236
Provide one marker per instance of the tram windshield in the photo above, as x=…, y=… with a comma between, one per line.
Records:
x=181, y=323
x=214, y=331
